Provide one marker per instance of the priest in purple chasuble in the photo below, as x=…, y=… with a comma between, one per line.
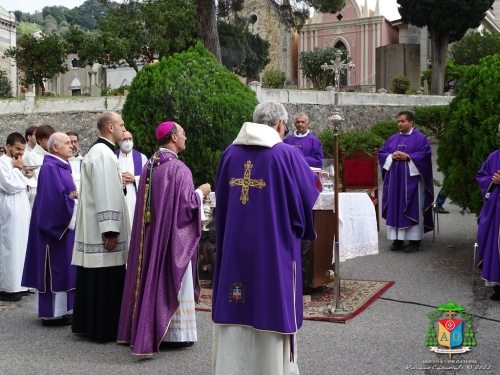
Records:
x=131, y=163
x=161, y=283
x=47, y=266
x=265, y=195
x=306, y=142
x=488, y=250
x=408, y=194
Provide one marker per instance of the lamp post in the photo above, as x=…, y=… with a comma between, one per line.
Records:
x=336, y=120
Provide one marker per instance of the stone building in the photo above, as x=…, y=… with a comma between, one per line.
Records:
x=8, y=27
x=78, y=81
x=265, y=21
x=357, y=29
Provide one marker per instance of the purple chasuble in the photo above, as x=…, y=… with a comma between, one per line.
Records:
x=489, y=220
x=160, y=251
x=400, y=198
x=310, y=146
x=136, y=155
x=47, y=266
x=265, y=197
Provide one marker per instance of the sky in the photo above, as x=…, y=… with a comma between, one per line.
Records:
x=388, y=8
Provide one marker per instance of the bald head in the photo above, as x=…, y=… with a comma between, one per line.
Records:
x=111, y=126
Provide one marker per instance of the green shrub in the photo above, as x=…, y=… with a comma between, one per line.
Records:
x=5, y=85
x=385, y=129
x=194, y=90
x=273, y=79
x=433, y=118
x=400, y=84
x=310, y=63
x=470, y=134
x=350, y=141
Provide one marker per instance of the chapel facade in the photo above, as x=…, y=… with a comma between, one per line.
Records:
x=8, y=26
x=357, y=29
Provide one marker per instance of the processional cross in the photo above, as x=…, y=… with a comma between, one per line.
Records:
x=336, y=120
x=246, y=182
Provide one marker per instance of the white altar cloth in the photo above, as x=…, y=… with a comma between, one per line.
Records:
x=357, y=223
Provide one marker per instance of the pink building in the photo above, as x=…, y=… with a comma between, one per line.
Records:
x=356, y=28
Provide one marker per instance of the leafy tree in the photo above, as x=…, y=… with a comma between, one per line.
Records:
x=447, y=21
x=38, y=58
x=310, y=62
x=293, y=14
x=474, y=46
x=243, y=53
x=137, y=32
x=470, y=135
x=5, y=85
x=27, y=28
x=194, y=90
x=452, y=75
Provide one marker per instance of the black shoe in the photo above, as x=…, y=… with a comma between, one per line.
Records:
x=11, y=297
x=64, y=321
x=24, y=293
x=397, y=245
x=413, y=246
x=441, y=210
x=176, y=345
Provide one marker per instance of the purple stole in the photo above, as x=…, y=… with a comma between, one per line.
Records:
x=136, y=155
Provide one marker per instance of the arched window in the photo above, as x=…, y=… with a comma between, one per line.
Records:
x=74, y=63
x=343, y=75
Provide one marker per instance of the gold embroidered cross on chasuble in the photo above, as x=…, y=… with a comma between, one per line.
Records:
x=246, y=182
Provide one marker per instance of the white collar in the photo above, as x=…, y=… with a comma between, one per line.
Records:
x=411, y=131
x=39, y=150
x=252, y=134
x=302, y=135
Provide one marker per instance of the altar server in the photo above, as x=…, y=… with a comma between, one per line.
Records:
x=102, y=235
x=14, y=219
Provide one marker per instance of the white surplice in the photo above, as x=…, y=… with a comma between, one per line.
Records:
x=34, y=159
x=127, y=165
x=76, y=164
x=15, y=216
x=102, y=208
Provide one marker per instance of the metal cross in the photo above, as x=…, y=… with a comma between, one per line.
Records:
x=246, y=182
x=337, y=66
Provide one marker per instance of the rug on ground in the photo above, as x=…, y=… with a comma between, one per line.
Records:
x=355, y=296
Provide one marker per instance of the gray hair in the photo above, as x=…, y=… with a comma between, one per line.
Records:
x=54, y=139
x=302, y=114
x=270, y=113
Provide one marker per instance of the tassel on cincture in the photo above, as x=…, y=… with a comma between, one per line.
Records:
x=148, y=217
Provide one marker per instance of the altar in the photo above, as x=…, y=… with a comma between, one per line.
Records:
x=357, y=231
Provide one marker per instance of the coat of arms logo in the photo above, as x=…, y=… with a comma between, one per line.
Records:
x=454, y=336
x=237, y=293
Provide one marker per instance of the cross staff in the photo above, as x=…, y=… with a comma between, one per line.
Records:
x=336, y=120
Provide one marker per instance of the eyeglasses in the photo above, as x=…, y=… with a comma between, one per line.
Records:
x=2, y=151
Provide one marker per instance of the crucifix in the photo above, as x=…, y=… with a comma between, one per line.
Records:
x=246, y=182
x=338, y=65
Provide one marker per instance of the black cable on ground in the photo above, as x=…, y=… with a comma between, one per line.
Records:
x=434, y=307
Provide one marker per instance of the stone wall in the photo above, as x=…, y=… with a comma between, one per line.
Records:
x=359, y=110
x=84, y=123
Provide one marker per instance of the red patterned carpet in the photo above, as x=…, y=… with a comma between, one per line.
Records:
x=355, y=296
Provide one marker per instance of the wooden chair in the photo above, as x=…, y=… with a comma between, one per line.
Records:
x=360, y=172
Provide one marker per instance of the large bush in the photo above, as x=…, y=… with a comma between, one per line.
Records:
x=433, y=118
x=194, y=90
x=470, y=135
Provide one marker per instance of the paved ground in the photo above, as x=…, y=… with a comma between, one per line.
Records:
x=387, y=338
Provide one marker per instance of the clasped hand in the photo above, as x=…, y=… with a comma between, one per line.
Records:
x=399, y=155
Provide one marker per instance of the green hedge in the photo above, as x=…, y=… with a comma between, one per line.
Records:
x=193, y=89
